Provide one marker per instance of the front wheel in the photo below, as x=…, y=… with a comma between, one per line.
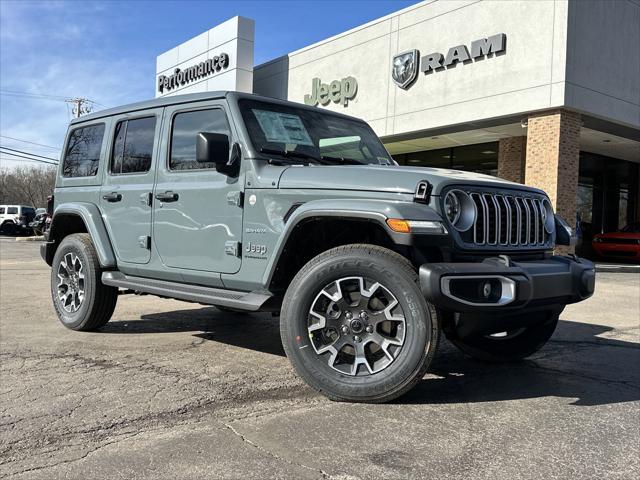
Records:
x=510, y=345
x=355, y=325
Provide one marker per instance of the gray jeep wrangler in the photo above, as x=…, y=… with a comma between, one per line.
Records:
x=255, y=204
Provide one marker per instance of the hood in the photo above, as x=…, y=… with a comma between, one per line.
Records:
x=379, y=178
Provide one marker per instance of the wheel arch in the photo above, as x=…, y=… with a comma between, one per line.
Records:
x=356, y=221
x=80, y=217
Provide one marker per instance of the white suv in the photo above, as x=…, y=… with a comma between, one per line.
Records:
x=15, y=218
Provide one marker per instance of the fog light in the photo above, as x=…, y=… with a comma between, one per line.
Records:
x=486, y=290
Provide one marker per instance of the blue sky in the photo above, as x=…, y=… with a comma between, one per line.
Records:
x=106, y=51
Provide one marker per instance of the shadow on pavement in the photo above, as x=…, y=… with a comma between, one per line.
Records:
x=259, y=332
x=577, y=363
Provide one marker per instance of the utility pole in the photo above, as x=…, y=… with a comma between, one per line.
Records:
x=81, y=106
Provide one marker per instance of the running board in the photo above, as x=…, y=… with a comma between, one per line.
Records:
x=251, y=301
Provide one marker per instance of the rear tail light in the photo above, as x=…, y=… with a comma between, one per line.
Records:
x=50, y=205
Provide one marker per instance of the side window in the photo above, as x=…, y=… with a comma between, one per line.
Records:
x=83, y=151
x=185, y=129
x=12, y=210
x=133, y=145
x=1, y=210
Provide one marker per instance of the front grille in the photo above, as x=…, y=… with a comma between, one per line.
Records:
x=514, y=219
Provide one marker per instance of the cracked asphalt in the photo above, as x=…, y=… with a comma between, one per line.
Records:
x=174, y=390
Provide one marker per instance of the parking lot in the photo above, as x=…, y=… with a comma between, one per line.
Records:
x=175, y=390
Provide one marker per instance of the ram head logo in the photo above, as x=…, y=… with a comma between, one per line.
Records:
x=404, y=68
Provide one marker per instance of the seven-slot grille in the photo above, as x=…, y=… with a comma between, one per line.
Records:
x=508, y=220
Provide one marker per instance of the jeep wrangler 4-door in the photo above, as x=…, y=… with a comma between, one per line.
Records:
x=255, y=204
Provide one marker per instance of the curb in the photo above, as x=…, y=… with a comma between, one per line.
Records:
x=30, y=239
x=618, y=268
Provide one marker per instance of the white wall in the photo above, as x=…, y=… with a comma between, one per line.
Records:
x=529, y=76
x=234, y=37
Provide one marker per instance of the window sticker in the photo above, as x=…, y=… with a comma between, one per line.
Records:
x=282, y=127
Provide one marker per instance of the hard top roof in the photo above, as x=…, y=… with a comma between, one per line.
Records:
x=188, y=98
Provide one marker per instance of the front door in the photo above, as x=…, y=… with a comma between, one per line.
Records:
x=197, y=220
x=125, y=196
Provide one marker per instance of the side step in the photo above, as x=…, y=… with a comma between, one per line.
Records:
x=251, y=301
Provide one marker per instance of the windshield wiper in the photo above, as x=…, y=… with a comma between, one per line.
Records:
x=291, y=154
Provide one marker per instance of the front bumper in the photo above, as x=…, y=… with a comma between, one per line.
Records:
x=502, y=285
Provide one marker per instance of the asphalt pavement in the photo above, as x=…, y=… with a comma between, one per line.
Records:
x=175, y=390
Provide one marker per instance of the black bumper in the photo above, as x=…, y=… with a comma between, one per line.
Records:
x=501, y=285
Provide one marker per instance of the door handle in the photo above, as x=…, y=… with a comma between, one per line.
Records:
x=167, y=197
x=112, y=197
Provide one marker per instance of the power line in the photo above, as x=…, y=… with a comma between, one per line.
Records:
x=49, y=97
x=35, y=95
x=32, y=143
x=28, y=158
x=28, y=153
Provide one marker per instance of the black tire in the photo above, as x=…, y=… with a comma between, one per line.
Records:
x=9, y=229
x=94, y=310
x=420, y=325
x=516, y=345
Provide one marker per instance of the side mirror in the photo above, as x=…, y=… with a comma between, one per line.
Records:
x=214, y=148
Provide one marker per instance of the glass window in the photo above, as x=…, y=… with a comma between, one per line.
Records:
x=1, y=210
x=83, y=151
x=28, y=210
x=186, y=127
x=304, y=134
x=12, y=210
x=478, y=158
x=133, y=145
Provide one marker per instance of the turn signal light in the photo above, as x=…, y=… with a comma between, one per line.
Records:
x=399, y=225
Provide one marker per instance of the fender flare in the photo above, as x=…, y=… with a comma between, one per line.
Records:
x=90, y=215
x=377, y=211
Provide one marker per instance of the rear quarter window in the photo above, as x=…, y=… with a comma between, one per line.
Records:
x=82, y=156
x=1, y=210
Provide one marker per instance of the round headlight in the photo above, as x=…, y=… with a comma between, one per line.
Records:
x=459, y=210
x=452, y=207
x=547, y=216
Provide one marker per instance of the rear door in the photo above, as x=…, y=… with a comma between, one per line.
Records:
x=125, y=197
x=197, y=213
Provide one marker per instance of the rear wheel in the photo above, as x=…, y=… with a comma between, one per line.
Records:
x=81, y=300
x=355, y=325
x=510, y=345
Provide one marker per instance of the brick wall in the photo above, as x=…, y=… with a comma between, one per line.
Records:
x=511, y=158
x=552, y=158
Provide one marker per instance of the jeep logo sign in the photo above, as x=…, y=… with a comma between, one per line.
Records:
x=338, y=91
x=403, y=65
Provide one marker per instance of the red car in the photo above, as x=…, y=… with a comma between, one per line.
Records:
x=622, y=244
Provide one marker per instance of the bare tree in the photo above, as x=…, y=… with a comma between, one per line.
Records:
x=27, y=185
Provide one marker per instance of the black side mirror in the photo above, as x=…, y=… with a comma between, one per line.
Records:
x=214, y=148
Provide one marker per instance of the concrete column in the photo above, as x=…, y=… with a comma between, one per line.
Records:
x=552, y=158
x=511, y=158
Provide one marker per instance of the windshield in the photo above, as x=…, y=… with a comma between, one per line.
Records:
x=303, y=135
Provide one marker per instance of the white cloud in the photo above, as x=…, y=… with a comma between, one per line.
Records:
x=43, y=52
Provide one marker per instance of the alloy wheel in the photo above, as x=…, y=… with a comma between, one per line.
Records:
x=71, y=282
x=358, y=325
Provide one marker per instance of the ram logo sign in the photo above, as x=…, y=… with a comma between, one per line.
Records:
x=405, y=66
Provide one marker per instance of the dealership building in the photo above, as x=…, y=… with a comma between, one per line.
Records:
x=545, y=93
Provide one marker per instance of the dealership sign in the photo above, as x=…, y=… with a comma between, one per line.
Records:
x=405, y=66
x=338, y=91
x=199, y=71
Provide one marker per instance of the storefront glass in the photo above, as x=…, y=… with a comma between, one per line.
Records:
x=479, y=158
